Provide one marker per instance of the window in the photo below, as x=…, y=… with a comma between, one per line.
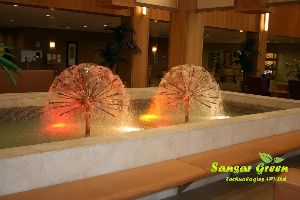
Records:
x=271, y=65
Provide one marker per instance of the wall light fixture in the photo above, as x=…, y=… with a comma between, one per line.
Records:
x=52, y=44
x=144, y=10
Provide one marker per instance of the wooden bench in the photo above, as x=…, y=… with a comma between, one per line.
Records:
x=290, y=189
x=142, y=181
x=245, y=153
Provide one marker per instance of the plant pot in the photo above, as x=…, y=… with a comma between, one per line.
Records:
x=244, y=88
x=222, y=79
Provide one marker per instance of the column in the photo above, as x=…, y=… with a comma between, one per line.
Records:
x=261, y=38
x=140, y=24
x=262, y=44
x=186, y=35
x=262, y=49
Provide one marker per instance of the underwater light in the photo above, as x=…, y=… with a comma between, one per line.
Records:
x=221, y=117
x=129, y=129
x=148, y=117
x=59, y=125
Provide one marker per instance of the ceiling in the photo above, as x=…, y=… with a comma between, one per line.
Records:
x=159, y=29
x=283, y=40
x=211, y=35
x=21, y=16
x=218, y=35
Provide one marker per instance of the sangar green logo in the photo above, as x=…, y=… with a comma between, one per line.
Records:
x=267, y=158
x=271, y=167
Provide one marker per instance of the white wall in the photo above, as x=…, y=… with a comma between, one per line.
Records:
x=214, y=3
x=202, y=4
x=163, y=3
x=281, y=1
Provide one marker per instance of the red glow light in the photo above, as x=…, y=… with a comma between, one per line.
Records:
x=56, y=125
x=59, y=128
x=59, y=125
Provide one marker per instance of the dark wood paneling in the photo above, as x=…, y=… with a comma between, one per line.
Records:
x=285, y=21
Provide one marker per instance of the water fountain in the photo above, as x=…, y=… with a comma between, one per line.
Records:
x=120, y=152
x=185, y=88
x=85, y=90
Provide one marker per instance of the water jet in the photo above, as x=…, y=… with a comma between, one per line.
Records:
x=84, y=90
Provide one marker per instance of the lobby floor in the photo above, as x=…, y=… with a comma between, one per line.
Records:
x=222, y=190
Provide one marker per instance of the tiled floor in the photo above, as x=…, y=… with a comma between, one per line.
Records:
x=235, y=191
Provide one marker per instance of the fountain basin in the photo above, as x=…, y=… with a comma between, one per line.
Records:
x=35, y=166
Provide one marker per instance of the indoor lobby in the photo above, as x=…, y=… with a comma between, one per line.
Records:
x=150, y=99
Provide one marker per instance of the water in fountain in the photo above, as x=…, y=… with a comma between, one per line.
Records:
x=186, y=93
x=81, y=93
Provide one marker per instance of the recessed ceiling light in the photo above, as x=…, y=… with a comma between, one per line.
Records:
x=105, y=25
x=155, y=21
x=268, y=41
x=85, y=26
x=67, y=27
x=16, y=5
x=241, y=31
x=12, y=20
x=207, y=35
x=52, y=17
x=47, y=15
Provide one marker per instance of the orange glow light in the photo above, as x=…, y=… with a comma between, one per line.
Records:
x=148, y=117
x=59, y=125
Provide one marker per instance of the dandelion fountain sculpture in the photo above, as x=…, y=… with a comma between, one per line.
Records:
x=85, y=90
x=185, y=88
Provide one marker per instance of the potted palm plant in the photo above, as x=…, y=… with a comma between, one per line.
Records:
x=6, y=64
x=294, y=69
x=245, y=57
x=122, y=39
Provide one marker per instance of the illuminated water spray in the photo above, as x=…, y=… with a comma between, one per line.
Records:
x=85, y=90
x=185, y=88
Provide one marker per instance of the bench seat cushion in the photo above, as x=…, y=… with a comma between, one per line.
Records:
x=280, y=144
x=292, y=179
x=232, y=156
x=290, y=189
x=126, y=184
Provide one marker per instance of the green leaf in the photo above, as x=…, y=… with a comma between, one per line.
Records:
x=8, y=54
x=8, y=63
x=278, y=160
x=6, y=47
x=267, y=158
